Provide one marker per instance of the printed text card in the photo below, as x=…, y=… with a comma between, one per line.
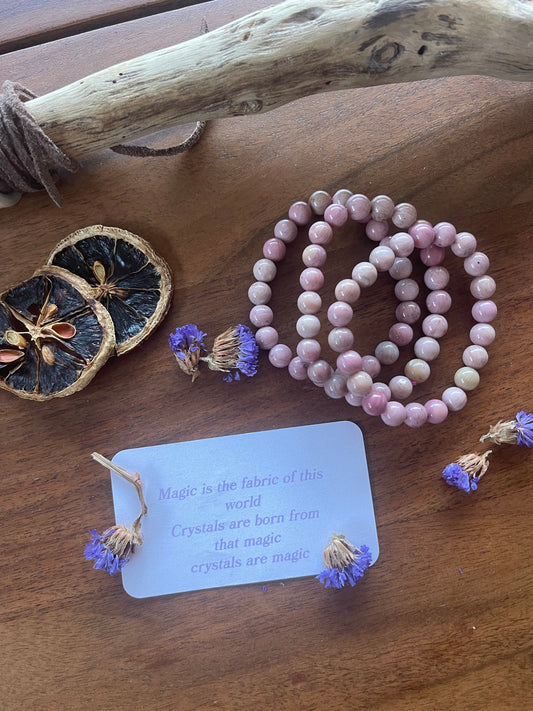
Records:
x=244, y=508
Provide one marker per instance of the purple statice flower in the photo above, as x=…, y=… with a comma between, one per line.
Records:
x=234, y=352
x=523, y=426
x=345, y=564
x=111, y=550
x=517, y=431
x=466, y=472
x=187, y=343
x=454, y=475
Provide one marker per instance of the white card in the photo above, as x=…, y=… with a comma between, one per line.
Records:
x=244, y=508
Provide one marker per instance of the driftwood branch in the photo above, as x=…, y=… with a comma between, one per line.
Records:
x=284, y=52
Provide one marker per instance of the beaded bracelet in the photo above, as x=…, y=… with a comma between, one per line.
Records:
x=354, y=375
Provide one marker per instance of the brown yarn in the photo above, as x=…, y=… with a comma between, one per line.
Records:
x=29, y=159
x=145, y=152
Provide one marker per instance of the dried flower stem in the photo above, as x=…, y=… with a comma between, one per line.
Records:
x=134, y=479
x=475, y=464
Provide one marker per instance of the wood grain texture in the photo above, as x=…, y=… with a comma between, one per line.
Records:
x=285, y=52
x=33, y=22
x=416, y=634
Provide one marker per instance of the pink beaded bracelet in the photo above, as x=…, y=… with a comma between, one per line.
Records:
x=353, y=378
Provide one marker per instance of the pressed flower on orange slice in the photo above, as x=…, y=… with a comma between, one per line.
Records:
x=125, y=275
x=54, y=336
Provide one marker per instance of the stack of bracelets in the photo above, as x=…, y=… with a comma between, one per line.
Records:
x=354, y=376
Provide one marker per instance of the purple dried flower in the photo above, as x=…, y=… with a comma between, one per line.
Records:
x=234, y=352
x=467, y=471
x=186, y=343
x=524, y=428
x=111, y=550
x=345, y=564
x=518, y=431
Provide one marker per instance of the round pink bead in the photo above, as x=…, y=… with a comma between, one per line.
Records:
x=340, y=339
x=371, y=365
x=286, y=230
x=417, y=370
x=387, y=352
x=274, y=249
x=374, y=403
x=465, y=244
x=402, y=244
x=358, y=207
x=259, y=293
x=404, y=215
x=300, y=213
x=308, y=350
x=483, y=287
x=406, y=290
x=348, y=290
x=416, y=414
x=382, y=207
x=298, y=369
x=261, y=315
x=482, y=334
x=349, y=362
x=432, y=256
x=359, y=383
x=436, y=410
x=445, y=234
x=353, y=399
x=454, y=398
x=311, y=279
x=309, y=302
x=422, y=233
x=382, y=258
x=394, y=414
x=319, y=372
x=342, y=196
x=314, y=255
x=375, y=230
x=438, y=302
x=401, y=387
x=408, y=312
x=308, y=326
x=336, y=386
x=336, y=215
x=427, y=348
x=476, y=264
x=401, y=334
x=435, y=325
x=320, y=233
x=280, y=355
x=484, y=311
x=264, y=270
x=365, y=274
x=382, y=388
x=318, y=201
x=266, y=337
x=401, y=269
x=340, y=313
x=475, y=356
x=436, y=278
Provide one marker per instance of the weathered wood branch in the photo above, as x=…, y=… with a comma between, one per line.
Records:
x=285, y=52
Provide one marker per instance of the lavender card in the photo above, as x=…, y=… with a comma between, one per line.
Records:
x=244, y=508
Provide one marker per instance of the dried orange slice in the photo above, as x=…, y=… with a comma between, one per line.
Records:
x=126, y=276
x=54, y=335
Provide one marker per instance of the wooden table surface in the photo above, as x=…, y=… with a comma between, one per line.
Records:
x=443, y=619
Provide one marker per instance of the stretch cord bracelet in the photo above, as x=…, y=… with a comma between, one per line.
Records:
x=353, y=377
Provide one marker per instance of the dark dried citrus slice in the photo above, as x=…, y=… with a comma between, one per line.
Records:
x=126, y=276
x=54, y=335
